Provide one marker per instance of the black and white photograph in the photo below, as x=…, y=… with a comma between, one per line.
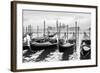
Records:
x=56, y=36
x=53, y=36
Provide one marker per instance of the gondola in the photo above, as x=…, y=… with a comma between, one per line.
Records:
x=85, y=52
x=67, y=46
x=42, y=45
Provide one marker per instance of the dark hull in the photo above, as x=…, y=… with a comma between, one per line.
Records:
x=26, y=47
x=72, y=41
x=67, y=49
x=85, y=54
x=88, y=42
x=44, y=46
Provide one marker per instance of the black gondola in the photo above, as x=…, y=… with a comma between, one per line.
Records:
x=69, y=48
x=43, y=45
x=85, y=52
x=69, y=45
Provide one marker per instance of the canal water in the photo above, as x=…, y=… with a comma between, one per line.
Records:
x=53, y=54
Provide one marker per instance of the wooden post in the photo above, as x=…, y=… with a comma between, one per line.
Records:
x=26, y=30
x=67, y=32
x=76, y=34
x=23, y=30
x=44, y=29
x=37, y=31
x=89, y=33
x=57, y=26
x=48, y=32
x=59, y=30
x=30, y=29
x=57, y=35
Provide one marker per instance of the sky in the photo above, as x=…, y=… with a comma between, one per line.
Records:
x=36, y=18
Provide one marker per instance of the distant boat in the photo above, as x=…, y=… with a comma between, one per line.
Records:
x=51, y=35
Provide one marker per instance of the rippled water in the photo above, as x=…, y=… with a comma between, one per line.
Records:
x=52, y=54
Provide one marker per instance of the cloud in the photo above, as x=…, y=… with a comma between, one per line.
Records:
x=68, y=18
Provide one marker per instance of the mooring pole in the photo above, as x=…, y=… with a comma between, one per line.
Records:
x=57, y=35
x=44, y=29
x=67, y=32
x=89, y=32
x=37, y=31
x=76, y=34
x=59, y=30
x=26, y=29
